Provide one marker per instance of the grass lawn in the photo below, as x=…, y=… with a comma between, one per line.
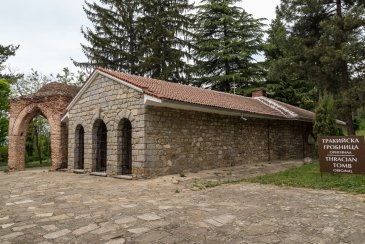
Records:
x=360, y=132
x=36, y=164
x=309, y=176
x=3, y=166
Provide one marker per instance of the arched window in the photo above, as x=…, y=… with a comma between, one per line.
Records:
x=79, y=147
x=125, y=147
x=100, y=146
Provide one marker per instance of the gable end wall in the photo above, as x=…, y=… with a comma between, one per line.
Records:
x=110, y=101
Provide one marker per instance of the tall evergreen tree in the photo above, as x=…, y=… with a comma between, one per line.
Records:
x=227, y=38
x=166, y=40
x=113, y=42
x=142, y=37
x=284, y=82
x=326, y=48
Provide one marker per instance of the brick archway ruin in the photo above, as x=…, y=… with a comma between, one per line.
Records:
x=51, y=102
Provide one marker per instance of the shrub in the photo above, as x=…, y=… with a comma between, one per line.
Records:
x=325, y=119
x=3, y=155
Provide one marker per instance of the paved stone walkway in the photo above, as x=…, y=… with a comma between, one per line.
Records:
x=58, y=207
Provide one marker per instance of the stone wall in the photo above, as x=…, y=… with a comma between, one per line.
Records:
x=110, y=101
x=178, y=140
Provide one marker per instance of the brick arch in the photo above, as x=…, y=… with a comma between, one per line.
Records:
x=22, y=121
x=22, y=111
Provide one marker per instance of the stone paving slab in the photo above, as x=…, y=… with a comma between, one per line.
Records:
x=54, y=235
x=59, y=207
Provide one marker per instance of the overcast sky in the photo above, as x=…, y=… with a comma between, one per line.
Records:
x=48, y=31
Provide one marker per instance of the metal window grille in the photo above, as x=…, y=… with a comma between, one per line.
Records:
x=80, y=148
x=126, y=148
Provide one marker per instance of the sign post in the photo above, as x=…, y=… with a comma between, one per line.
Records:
x=342, y=154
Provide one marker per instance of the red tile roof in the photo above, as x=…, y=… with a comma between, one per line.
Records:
x=194, y=95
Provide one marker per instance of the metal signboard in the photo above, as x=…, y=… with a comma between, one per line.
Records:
x=342, y=154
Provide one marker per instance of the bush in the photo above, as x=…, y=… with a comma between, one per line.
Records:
x=356, y=122
x=3, y=155
x=325, y=119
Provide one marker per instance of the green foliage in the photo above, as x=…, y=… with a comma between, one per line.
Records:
x=4, y=121
x=36, y=164
x=5, y=79
x=139, y=37
x=325, y=118
x=166, y=39
x=309, y=176
x=5, y=53
x=70, y=78
x=356, y=122
x=320, y=43
x=360, y=132
x=114, y=40
x=361, y=126
x=283, y=81
x=30, y=83
x=3, y=154
x=4, y=95
x=227, y=38
x=34, y=80
x=37, y=145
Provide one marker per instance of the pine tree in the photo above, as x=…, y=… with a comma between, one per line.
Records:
x=284, y=83
x=113, y=42
x=5, y=53
x=326, y=48
x=166, y=40
x=325, y=118
x=227, y=38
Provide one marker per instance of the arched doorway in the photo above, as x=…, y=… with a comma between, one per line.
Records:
x=79, y=147
x=37, y=143
x=124, y=147
x=51, y=102
x=100, y=142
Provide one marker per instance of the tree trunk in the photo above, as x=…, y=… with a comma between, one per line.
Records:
x=344, y=70
x=37, y=144
x=339, y=8
x=226, y=86
x=350, y=123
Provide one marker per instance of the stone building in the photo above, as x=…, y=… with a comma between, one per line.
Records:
x=129, y=126
x=124, y=125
